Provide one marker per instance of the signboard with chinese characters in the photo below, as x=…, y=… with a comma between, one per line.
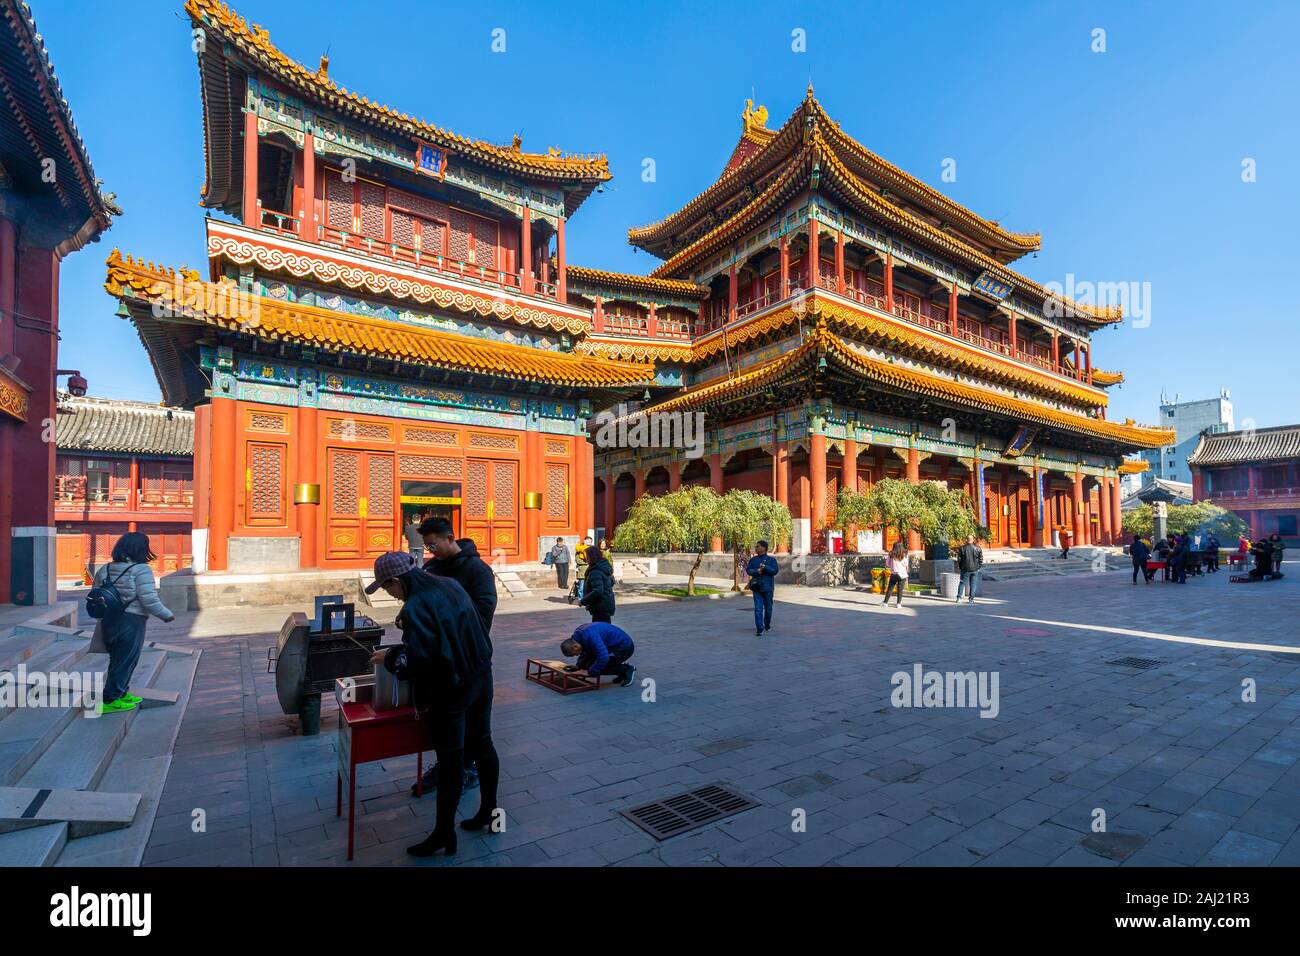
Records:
x=990, y=287
x=430, y=160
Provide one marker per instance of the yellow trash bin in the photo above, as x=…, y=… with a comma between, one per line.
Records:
x=878, y=580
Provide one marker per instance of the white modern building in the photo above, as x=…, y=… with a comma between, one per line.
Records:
x=1188, y=420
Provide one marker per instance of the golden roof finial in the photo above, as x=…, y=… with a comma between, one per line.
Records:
x=516, y=143
x=323, y=71
x=754, y=117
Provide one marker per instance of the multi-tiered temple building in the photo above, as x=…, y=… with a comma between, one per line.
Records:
x=389, y=322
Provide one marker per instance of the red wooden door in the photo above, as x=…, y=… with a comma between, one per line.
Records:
x=491, y=509
x=361, y=503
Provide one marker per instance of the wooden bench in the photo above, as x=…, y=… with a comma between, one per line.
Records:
x=553, y=675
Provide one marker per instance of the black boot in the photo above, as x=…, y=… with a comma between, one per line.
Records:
x=434, y=842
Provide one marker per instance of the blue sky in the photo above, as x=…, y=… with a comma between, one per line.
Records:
x=1129, y=162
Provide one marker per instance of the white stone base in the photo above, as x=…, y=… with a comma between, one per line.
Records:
x=199, y=550
x=44, y=553
x=801, y=542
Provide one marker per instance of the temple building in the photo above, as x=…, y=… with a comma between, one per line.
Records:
x=1254, y=473
x=389, y=322
x=383, y=327
x=121, y=466
x=50, y=206
x=854, y=324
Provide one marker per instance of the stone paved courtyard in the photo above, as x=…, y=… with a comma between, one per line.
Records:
x=1185, y=771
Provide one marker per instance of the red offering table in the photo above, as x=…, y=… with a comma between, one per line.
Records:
x=366, y=734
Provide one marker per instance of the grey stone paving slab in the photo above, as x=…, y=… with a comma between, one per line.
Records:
x=804, y=722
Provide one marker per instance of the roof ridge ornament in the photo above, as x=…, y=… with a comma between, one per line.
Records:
x=753, y=117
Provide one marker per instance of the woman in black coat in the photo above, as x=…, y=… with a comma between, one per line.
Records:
x=447, y=656
x=598, y=585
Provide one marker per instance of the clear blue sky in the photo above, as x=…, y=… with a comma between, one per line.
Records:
x=1129, y=162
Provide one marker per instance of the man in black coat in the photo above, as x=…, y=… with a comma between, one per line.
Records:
x=598, y=586
x=970, y=558
x=1139, y=552
x=460, y=561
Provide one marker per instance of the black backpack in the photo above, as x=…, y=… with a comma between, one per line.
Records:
x=104, y=602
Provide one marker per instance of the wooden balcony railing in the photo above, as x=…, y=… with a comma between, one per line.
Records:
x=280, y=222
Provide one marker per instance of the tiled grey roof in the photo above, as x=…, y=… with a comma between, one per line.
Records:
x=1260, y=444
x=109, y=425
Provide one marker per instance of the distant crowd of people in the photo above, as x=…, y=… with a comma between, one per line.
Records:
x=1178, y=555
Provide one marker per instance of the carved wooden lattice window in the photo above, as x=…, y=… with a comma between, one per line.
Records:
x=484, y=440
x=339, y=197
x=557, y=493
x=556, y=447
x=831, y=491
x=372, y=210
x=266, y=422
x=350, y=429
x=265, y=492
x=345, y=496
x=476, y=489
x=429, y=466
x=379, y=486
x=503, y=491
x=431, y=436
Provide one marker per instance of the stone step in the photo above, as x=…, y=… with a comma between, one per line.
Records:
x=36, y=846
x=59, y=656
x=22, y=643
x=29, y=731
x=514, y=585
x=86, y=812
x=380, y=598
x=78, y=758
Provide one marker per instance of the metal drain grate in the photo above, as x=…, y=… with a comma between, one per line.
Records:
x=1140, y=663
x=688, y=811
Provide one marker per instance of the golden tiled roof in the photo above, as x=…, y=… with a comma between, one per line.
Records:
x=1134, y=466
x=821, y=342
x=637, y=350
x=624, y=281
x=1104, y=378
x=837, y=177
x=255, y=41
x=811, y=115
x=183, y=294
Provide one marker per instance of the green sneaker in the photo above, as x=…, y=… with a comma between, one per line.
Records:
x=117, y=706
x=131, y=698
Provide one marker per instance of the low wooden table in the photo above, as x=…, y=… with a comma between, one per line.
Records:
x=366, y=734
x=553, y=675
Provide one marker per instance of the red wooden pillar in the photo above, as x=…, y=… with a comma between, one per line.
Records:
x=1103, y=517
x=1056, y=352
x=715, y=482
x=674, y=475
x=732, y=293
x=638, y=477
x=1039, y=538
x=1079, y=522
x=526, y=253
x=783, y=474
x=652, y=322
x=583, y=486
x=952, y=310
x=849, y=472
x=598, y=315
x=839, y=262
x=889, y=283
x=1011, y=332
x=1077, y=357
x=250, y=212
x=8, y=428
x=307, y=515
x=814, y=257
x=561, y=280
x=610, y=481
x=817, y=476
x=913, y=475
x=785, y=266
x=225, y=462
x=1116, y=512
x=1087, y=357
x=307, y=213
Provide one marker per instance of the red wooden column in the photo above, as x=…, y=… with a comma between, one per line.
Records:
x=1116, y=512
x=913, y=475
x=1039, y=537
x=732, y=293
x=652, y=322
x=638, y=478
x=307, y=515
x=783, y=473
x=598, y=315
x=610, y=481
x=849, y=471
x=584, y=485
x=785, y=266
x=674, y=475
x=715, y=482
x=1079, y=522
x=534, y=479
x=561, y=273
x=1103, y=507
x=889, y=283
x=221, y=517
x=1056, y=352
x=1011, y=332
x=1077, y=356
x=817, y=476
x=250, y=213
x=307, y=213
x=1087, y=357
x=952, y=310
x=839, y=262
x=8, y=429
x=526, y=253
x=814, y=257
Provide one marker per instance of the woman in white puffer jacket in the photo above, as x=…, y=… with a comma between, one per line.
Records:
x=130, y=574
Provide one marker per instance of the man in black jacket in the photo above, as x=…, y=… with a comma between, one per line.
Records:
x=598, y=586
x=460, y=561
x=1140, y=553
x=447, y=656
x=969, y=561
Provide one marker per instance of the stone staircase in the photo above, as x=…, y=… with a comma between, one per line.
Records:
x=1014, y=565
x=77, y=788
x=510, y=584
x=632, y=569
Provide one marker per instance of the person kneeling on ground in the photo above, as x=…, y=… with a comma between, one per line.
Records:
x=601, y=648
x=598, y=586
x=762, y=570
x=970, y=558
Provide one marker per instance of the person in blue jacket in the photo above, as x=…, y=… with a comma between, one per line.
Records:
x=601, y=648
x=762, y=570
